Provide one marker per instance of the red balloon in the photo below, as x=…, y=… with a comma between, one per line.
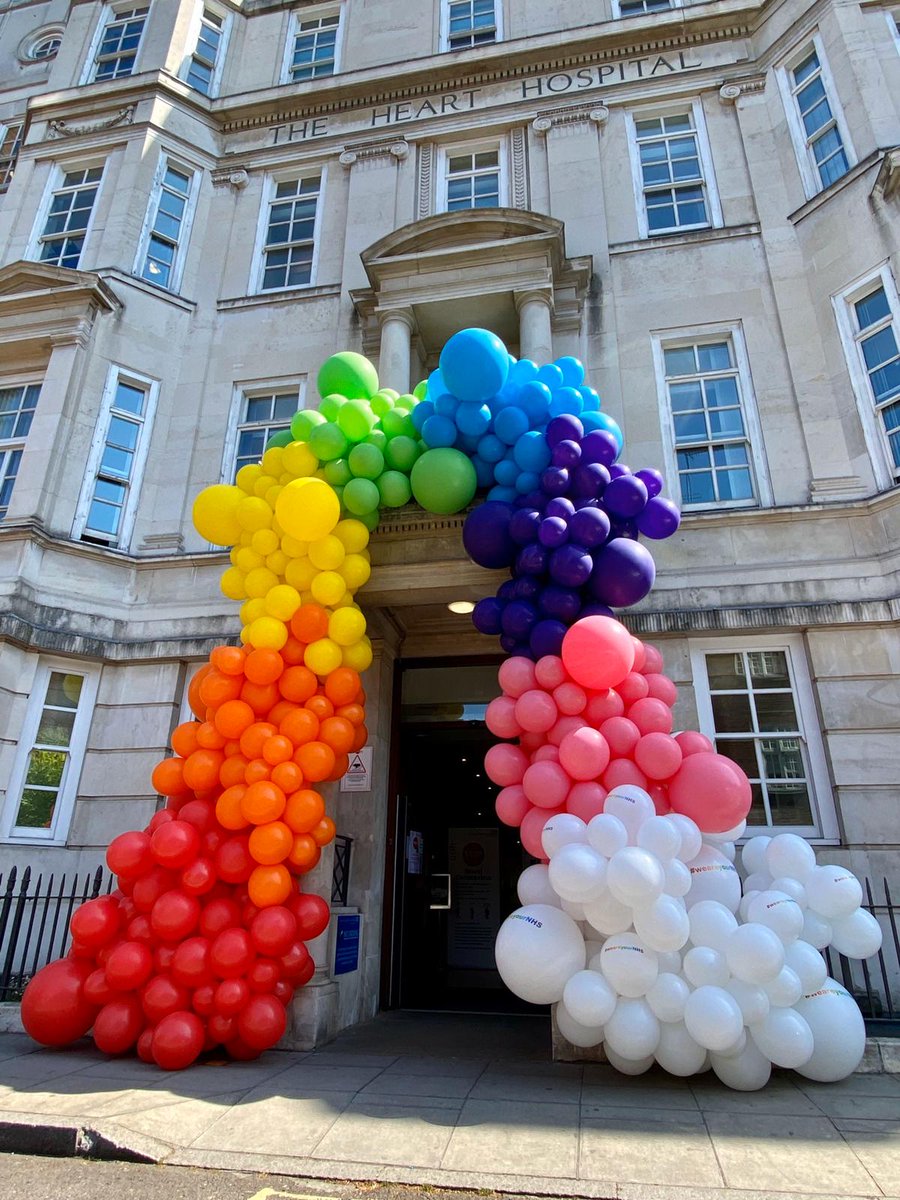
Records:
x=129, y=966
x=217, y=915
x=148, y=889
x=263, y=975
x=623, y=770
x=598, y=652
x=160, y=818
x=603, y=705
x=144, y=1046
x=230, y=997
x=175, y=916
x=199, y=813
x=118, y=1025
x=284, y=991
x=712, y=790
x=512, y=804
x=533, y=826
x=658, y=755
x=662, y=688
x=96, y=922
x=175, y=844
x=651, y=716
x=240, y=1051
x=96, y=990
x=54, y=1007
x=190, y=965
x=199, y=878
x=161, y=996
x=622, y=734
x=234, y=862
x=659, y=794
x=129, y=855
x=296, y=962
x=692, y=742
x=273, y=930
x=162, y=958
x=632, y=688
x=177, y=1040
x=653, y=660
x=202, y=1000
x=139, y=929
x=231, y=953
x=563, y=727
x=640, y=654
x=263, y=1022
x=585, y=800
x=222, y=1029
x=312, y=914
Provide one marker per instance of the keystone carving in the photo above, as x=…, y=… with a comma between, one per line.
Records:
x=124, y=116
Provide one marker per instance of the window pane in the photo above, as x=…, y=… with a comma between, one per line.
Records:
x=782, y=758
x=725, y=672
x=775, y=710
x=55, y=728
x=36, y=809
x=872, y=308
x=698, y=488
x=768, y=669
x=742, y=752
x=757, y=813
x=123, y=433
x=790, y=804
x=64, y=691
x=680, y=361
x=731, y=714
x=735, y=485
x=103, y=518
x=45, y=768
x=129, y=398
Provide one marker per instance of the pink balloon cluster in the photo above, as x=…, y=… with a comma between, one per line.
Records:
x=597, y=718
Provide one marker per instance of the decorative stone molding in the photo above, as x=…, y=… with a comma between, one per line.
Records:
x=731, y=92
x=366, y=153
x=59, y=129
x=571, y=114
x=887, y=181
x=427, y=159
x=541, y=295
x=406, y=315
x=236, y=178
x=518, y=152
x=163, y=543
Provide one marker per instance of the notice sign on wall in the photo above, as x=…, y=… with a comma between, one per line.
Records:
x=346, y=944
x=474, y=918
x=358, y=777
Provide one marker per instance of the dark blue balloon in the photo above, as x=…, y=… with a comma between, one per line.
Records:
x=486, y=535
x=531, y=560
x=547, y=638
x=659, y=519
x=553, y=532
x=527, y=588
x=519, y=618
x=650, y=478
x=446, y=405
x=589, y=527
x=420, y=414
x=524, y=525
x=600, y=447
x=564, y=429
x=536, y=499
x=555, y=481
x=623, y=527
x=559, y=506
x=510, y=644
x=590, y=479
x=487, y=615
x=507, y=590
x=484, y=471
x=566, y=454
x=625, y=496
x=561, y=603
x=623, y=573
x=617, y=470
x=597, y=610
x=506, y=495
x=439, y=431
x=570, y=565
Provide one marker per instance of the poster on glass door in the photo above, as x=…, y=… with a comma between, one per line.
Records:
x=474, y=917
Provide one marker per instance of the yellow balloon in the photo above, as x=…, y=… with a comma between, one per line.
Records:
x=232, y=584
x=356, y=571
x=307, y=598
x=299, y=460
x=327, y=587
x=251, y=609
x=245, y=635
x=308, y=509
x=346, y=626
x=263, y=483
x=282, y=601
x=245, y=538
x=346, y=601
x=215, y=514
x=267, y=633
x=264, y=541
x=247, y=477
x=271, y=496
x=300, y=573
x=322, y=657
x=277, y=561
x=247, y=559
x=253, y=513
x=358, y=656
x=259, y=582
x=273, y=461
x=292, y=547
x=353, y=535
x=327, y=553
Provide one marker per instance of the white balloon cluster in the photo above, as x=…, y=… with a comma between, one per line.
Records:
x=639, y=929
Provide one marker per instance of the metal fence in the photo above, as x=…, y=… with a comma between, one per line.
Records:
x=340, y=873
x=875, y=982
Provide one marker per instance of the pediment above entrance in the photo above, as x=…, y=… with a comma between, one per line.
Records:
x=42, y=306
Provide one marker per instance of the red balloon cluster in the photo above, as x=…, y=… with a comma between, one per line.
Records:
x=597, y=718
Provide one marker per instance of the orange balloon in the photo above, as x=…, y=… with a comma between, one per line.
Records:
x=228, y=659
x=201, y=769
x=292, y=651
x=309, y=623
x=257, y=769
x=271, y=843
x=342, y=685
x=301, y=726
x=233, y=717
x=323, y=833
x=321, y=706
x=216, y=688
x=304, y=810
x=184, y=738
x=261, y=697
x=361, y=696
x=263, y=802
x=288, y=777
x=278, y=749
x=354, y=713
x=338, y=734
x=269, y=885
x=231, y=747
x=341, y=767
x=198, y=708
x=228, y=808
x=208, y=737
x=232, y=770
x=315, y=760
x=298, y=683
x=255, y=737
x=168, y=777
x=362, y=736
x=263, y=666
x=305, y=852
x=279, y=711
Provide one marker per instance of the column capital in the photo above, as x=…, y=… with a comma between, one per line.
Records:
x=404, y=315
x=731, y=92
x=532, y=296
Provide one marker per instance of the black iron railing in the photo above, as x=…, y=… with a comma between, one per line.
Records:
x=875, y=982
x=340, y=873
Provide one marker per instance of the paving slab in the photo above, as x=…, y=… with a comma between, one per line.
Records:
x=448, y=1086
x=778, y=1096
x=514, y=1137
x=409, y=1064
x=267, y=1124
x=633, y=1147
x=877, y=1146
x=605, y=1095
x=370, y=1132
x=178, y=1122
x=325, y=1078
x=527, y=1088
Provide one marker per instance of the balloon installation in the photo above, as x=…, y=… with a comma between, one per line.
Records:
x=633, y=921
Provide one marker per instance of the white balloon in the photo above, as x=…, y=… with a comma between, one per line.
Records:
x=737, y=1047
x=729, y=850
x=785, y=989
x=668, y=997
x=745, y=904
x=606, y=834
x=784, y=1037
x=857, y=936
x=634, y=877
x=838, y=1030
x=752, y=1000
x=816, y=930
x=759, y=882
x=677, y=1051
x=713, y=877
x=702, y=965
x=691, y=837
x=574, y=1031
x=534, y=886
x=629, y=1066
x=589, y=999
x=663, y=925
x=660, y=838
x=788, y=854
x=562, y=830
x=669, y=961
x=745, y=1072
x=628, y=966
x=677, y=878
x=808, y=963
x=753, y=855
x=632, y=805
x=734, y=834
x=777, y=912
x=577, y=872
x=575, y=911
x=713, y=1018
x=833, y=892
x=608, y=915
x=711, y=924
x=791, y=887
x=754, y=953
x=538, y=949
x=632, y=1030
x=592, y=945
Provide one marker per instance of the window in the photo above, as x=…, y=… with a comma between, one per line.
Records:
x=289, y=240
x=815, y=120
x=161, y=252
x=672, y=171
x=755, y=701
x=474, y=178
x=710, y=423
x=260, y=415
x=17, y=405
x=119, y=42
x=314, y=47
x=637, y=8
x=112, y=482
x=46, y=47
x=205, y=64
x=47, y=767
x=68, y=217
x=10, y=141
x=470, y=23
x=893, y=20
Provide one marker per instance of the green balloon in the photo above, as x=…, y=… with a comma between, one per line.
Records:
x=382, y=403
x=401, y=453
x=421, y=389
x=361, y=496
x=398, y=423
x=337, y=472
x=348, y=374
x=370, y=520
x=280, y=439
x=331, y=406
x=443, y=481
x=378, y=438
x=365, y=461
x=357, y=419
x=327, y=442
x=304, y=422
x=394, y=488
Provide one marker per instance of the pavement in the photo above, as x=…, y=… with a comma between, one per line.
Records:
x=467, y=1102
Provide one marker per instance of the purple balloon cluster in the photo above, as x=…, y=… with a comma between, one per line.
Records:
x=571, y=544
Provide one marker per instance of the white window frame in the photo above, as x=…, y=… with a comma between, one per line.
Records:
x=445, y=153
x=193, y=41
x=825, y=827
x=109, y=13
x=68, y=792
x=54, y=184
x=886, y=474
x=710, y=188
x=248, y=389
x=446, y=48
x=7, y=172
x=809, y=171
x=312, y=14
x=268, y=197
x=116, y=373
x=893, y=20
x=669, y=339
x=618, y=15
x=181, y=246
x=10, y=445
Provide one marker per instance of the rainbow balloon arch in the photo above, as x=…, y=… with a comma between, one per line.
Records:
x=634, y=921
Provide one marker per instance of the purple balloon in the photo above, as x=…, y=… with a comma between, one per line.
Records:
x=563, y=604
x=555, y=481
x=553, y=532
x=510, y=645
x=564, y=428
x=559, y=506
x=507, y=590
x=486, y=535
x=524, y=525
x=618, y=469
x=570, y=565
x=596, y=610
x=531, y=560
x=518, y=620
x=488, y=615
x=623, y=573
x=526, y=588
x=536, y=500
x=625, y=527
x=651, y=479
x=547, y=638
x=566, y=454
x=599, y=446
x=590, y=479
x=589, y=527
x=625, y=496
x=659, y=519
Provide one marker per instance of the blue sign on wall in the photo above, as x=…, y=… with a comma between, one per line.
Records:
x=346, y=945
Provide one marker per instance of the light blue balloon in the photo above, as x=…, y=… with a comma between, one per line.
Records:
x=491, y=449
x=531, y=452
x=510, y=423
x=474, y=420
x=572, y=370
x=602, y=421
x=535, y=399
x=566, y=400
x=591, y=398
x=551, y=375
x=522, y=372
x=446, y=405
x=439, y=431
x=474, y=364
x=420, y=414
x=467, y=443
x=507, y=494
x=436, y=386
x=527, y=481
x=484, y=471
x=506, y=472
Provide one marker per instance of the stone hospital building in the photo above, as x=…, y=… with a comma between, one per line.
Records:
x=699, y=200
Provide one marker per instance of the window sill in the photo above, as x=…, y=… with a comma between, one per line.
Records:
x=662, y=241
x=834, y=189
x=149, y=289
x=282, y=296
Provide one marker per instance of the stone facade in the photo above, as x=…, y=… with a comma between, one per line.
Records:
x=564, y=263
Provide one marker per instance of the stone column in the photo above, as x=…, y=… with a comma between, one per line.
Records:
x=535, y=336
x=397, y=326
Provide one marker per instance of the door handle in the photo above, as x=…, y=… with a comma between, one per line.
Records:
x=438, y=892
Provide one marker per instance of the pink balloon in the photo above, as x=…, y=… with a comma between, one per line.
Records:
x=653, y=660
x=532, y=741
x=658, y=793
x=633, y=687
x=550, y=672
x=585, y=800
x=546, y=784
x=512, y=804
x=516, y=676
x=598, y=652
x=500, y=718
x=709, y=790
x=533, y=826
x=651, y=716
x=563, y=726
x=622, y=735
x=536, y=711
x=662, y=688
x=658, y=755
x=640, y=654
x=623, y=770
x=584, y=753
x=505, y=764
x=570, y=699
x=692, y=742
x=603, y=705
x=546, y=753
